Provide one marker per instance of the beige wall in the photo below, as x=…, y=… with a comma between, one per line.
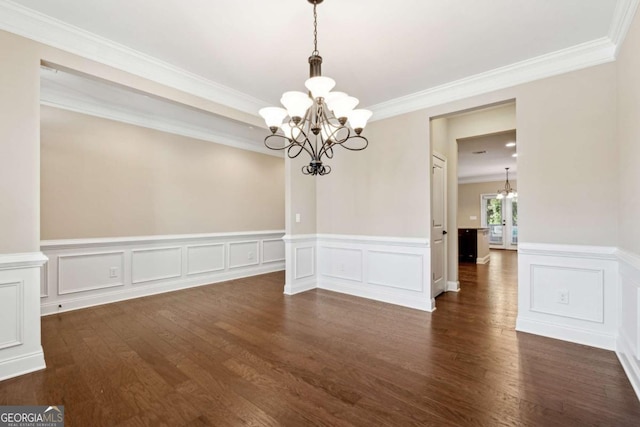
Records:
x=300, y=195
x=383, y=190
x=102, y=178
x=566, y=137
x=439, y=136
x=629, y=138
x=19, y=146
x=19, y=129
x=469, y=201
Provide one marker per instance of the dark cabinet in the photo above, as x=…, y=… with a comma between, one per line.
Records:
x=467, y=245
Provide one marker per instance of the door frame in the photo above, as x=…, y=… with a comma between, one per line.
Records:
x=445, y=272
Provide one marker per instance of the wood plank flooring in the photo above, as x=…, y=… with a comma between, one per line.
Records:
x=242, y=353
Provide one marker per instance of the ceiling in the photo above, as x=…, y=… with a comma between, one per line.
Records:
x=96, y=97
x=376, y=50
x=479, y=157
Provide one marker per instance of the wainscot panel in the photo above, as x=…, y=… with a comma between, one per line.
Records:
x=388, y=269
x=568, y=292
x=88, y=272
x=628, y=344
x=20, y=290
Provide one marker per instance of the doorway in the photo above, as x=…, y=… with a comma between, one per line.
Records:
x=478, y=145
x=500, y=216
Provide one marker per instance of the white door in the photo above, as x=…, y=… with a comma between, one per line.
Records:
x=438, y=224
x=500, y=216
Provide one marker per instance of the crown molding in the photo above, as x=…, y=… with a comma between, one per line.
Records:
x=622, y=19
x=487, y=178
x=562, y=61
x=574, y=58
x=45, y=29
x=36, y=26
x=57, y=99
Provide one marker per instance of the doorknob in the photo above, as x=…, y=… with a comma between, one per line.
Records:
x=444, y=232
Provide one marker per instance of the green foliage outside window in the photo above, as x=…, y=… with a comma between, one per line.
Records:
x=494, y=211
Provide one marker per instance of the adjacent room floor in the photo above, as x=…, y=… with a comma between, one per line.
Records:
x=241, y=352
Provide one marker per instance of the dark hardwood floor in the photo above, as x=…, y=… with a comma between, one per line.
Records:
x=241, y=352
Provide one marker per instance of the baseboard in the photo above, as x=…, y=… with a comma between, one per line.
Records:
x=629, y=363
x=148, y=290
x=301, y=286
x=21, y=365
x=484, y=259
x=566, y=333
x=453, y=286
x=391, y=298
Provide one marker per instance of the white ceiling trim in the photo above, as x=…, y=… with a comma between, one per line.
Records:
x=36, y=26
x=513, y=176
x=622, y=19
x=574, y=58
x=45, y=29
x=53, y=98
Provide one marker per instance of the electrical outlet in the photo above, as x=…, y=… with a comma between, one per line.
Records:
x=297, y=217
x=563, y=296
x=113, y=272
x=250, y=256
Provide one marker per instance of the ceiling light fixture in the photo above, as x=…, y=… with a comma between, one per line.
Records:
x=514, y=155
x=316, y=121
x=510, y=144
x=507, y=191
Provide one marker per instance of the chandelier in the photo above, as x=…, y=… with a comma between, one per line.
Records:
x=317, y=121
x=507, y=191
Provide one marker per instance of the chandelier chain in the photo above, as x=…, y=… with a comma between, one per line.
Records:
x=315, y=31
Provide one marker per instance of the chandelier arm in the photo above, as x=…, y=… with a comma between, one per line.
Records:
x=288, y=147
x=366, y=143
x=327, y=151
x=284, y=147
x=303, y=146
x=313, y=149
x=291, y=148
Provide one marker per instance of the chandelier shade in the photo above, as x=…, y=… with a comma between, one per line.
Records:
x=317, y=121
x=273, y=116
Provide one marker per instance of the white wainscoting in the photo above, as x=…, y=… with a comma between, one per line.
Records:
x=569, y=293
x=20, y=289
x=154, y=264
x=243, y=254
x=88, y=272
x=11, y=331
x=628, y=344
x=300, y=255
x=388, y=269
x=206, y=258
